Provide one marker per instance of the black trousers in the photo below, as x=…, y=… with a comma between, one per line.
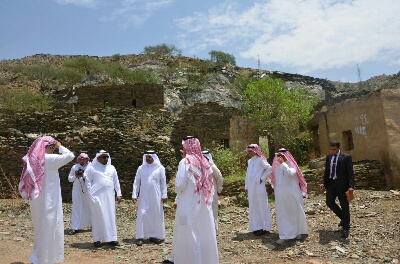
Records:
x=343, y=212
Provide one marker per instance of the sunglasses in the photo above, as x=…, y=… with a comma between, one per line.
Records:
x=105, y=157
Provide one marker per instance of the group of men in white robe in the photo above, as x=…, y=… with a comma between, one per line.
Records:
x=197, y=184
x=289, y=187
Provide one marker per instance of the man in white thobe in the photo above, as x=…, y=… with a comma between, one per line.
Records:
x=150, y=187
x=218, y=181
x=195, y=236
x=289, y=186
x=81, y=215
x=102, y=183
x=170, y=259
x=40, y=185
x=258, y=170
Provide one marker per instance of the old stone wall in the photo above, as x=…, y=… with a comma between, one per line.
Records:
x=126, y=134
x=209, y=122
x=243, y=132
x=86, y=98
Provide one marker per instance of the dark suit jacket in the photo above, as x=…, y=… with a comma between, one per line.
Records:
x=344, y=171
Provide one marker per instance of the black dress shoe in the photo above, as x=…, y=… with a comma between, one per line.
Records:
x=113, y=243
x=341, y=223
x=167, y=261
x=139, y=242
x=155, y=240
x=345, y=233
x=97, y=244
x=261, y=232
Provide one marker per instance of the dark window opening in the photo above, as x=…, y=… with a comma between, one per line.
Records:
x=224, y=142
x=134, y=103
x=347, y=140
x=315, y=135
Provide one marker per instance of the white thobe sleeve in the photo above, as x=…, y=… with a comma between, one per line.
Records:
x=88, y=176
x=56, y=161
x=117, y=187
x=247, y=173
x=71, y=176
x=288, y=169
x=136, y=184
x=218, y=181
x=267, y=169
x=181, y=179
x=163, y=183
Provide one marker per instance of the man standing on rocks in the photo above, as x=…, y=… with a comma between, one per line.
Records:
x=40, y=185
x=102, y=184
x=81, y=216
x=150, y=186
x=339, y=179
x=258, y=170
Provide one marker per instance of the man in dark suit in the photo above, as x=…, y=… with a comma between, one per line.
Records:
x=338, y=179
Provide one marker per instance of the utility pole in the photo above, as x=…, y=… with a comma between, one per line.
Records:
x=259, y=63
x=359, y=76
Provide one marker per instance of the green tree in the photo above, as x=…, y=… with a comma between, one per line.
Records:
x=221, y=57
x=43, y=74
x=162, y=50
x=85, y=65
x=280, y=114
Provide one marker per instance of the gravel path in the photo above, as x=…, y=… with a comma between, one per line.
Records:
x=374, y=236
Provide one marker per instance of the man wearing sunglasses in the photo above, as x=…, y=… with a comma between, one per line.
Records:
x=102, y=184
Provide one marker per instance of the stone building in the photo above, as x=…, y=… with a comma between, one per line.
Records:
x=138, y=96
x=367, y=127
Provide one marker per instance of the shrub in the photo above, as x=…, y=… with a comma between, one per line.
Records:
x=162, y=50
x=25, y=100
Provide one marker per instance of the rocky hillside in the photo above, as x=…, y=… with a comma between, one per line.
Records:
x=188, y=80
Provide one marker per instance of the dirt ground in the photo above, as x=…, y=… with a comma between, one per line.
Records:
x=374, y=236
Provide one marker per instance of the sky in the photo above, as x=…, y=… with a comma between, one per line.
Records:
x=338, y=40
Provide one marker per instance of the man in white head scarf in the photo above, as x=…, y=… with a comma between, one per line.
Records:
x=195, y=236
x=102, y=183
x=151, y=188
x=218, y=181
x=258, y=170
x=289, y=186
x=81, y=215
x=40, y=186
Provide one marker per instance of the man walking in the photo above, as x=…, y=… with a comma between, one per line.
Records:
x=151, y=188
x=338, y=179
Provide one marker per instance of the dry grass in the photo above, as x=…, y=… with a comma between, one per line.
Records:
x=9, y=186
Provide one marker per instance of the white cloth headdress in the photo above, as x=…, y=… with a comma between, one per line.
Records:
x=207, y=154
x=101, y=152
x=153, y=154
